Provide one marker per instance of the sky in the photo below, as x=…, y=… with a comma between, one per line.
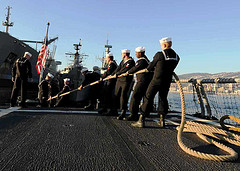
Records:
x=205, y=33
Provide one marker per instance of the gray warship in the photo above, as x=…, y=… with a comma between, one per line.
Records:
x=73, y=71
x=11, y=49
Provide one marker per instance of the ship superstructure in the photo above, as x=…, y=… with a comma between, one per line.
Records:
x=11, y=49
x=73, y=71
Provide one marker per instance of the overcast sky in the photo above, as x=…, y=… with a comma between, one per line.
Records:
x=205, y=33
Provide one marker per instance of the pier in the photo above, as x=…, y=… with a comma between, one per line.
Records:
x=71, y=139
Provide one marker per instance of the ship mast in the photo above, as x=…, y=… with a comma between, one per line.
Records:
x=7, y=23
x=107, y=46
x=78, y=58
x=77, y=47
x=107, y=50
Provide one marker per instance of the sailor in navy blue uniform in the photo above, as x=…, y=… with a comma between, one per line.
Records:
x=44, y=89
x=109, y=85
x=54, y=89
x=64, y=100
x=123, y=84
x=140, y=88
x=21, y=71
x=90, y=77
x=163, y=64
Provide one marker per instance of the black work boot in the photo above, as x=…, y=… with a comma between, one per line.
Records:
x=110, y=112
x=131, y=117
x=102, y=110
x=123, y=114
x=140, y=123
x=161, y=122
x=90, y=106
x=23, y=105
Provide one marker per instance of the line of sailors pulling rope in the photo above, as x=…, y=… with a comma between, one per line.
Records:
x=152, y=78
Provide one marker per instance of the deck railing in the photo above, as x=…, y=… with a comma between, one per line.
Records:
x=210, y=98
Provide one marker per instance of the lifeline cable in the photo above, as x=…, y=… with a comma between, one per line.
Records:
x=201, y=129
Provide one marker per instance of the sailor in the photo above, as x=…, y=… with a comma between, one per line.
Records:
x=43, y=90
x=96, y=69
x=21, y=71
x=54, y=89
x=109, y=85
x=163, y=64
x=140, y=88
x=123, y=85
x=90, y=77
x=64, y=100
x=99, y=86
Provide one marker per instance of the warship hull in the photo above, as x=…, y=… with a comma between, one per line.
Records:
x=11, y=49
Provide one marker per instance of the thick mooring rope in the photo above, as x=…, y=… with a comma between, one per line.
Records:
x=237, y=129
x=202, y=130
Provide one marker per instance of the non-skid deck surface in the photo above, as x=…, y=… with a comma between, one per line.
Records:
x=87, y=141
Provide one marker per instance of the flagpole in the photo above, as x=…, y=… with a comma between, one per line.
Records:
x=46, y=43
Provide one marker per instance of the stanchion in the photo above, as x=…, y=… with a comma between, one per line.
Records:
x=202, y=130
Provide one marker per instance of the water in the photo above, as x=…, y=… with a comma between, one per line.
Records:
x=192, y=107
x=221, y=104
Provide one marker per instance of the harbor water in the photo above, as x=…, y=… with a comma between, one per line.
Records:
x=220, y=104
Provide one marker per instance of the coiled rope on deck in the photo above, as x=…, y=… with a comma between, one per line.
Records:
x=202, y=130
x=237, y=129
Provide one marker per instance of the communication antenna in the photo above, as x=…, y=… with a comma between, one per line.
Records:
x=107, y=50
x=108, y=47
x=7, y=23
x=78, y=58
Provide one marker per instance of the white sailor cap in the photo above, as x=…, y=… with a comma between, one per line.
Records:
x=165, y=40
x=140, y=49
x=109, y=54
x=28, y=53
x=66, y=79
x=125, y=51
x=50, y=75
x=84, y=69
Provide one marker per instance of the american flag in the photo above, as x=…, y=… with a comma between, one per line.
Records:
x=41, y=63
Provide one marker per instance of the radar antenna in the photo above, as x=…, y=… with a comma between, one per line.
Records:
x=78, y=58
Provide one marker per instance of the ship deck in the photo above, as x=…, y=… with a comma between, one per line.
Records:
x=71, y=139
